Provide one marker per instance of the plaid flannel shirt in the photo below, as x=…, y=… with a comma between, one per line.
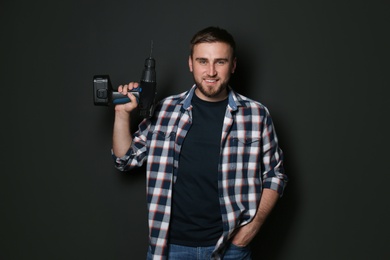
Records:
x=250, y=161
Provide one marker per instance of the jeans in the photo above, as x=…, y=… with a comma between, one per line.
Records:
x=233, y=252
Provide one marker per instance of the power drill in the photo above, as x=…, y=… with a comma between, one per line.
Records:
x=103, y=93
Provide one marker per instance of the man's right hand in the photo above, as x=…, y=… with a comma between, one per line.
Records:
x=121, y=134
x=125, y=90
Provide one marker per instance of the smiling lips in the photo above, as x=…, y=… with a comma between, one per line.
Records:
x=210, y=80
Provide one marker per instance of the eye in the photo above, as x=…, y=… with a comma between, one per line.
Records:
x=222, y=62
x=202, y=61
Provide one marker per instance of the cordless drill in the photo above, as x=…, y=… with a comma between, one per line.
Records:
x=145, y=94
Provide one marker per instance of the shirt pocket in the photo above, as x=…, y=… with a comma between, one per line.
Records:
x=244, y=155
x=162, y=145
x=245, y=142
x=162, y=140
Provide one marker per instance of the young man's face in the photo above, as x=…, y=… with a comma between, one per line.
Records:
x=211, y=65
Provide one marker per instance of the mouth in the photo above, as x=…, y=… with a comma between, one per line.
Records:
x=210, y=80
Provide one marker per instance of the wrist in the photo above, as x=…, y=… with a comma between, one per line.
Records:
x=122, y=114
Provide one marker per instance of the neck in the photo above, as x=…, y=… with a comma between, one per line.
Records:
x=215, y=98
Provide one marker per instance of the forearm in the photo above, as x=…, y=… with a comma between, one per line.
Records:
x=246, y=233
x=267, y=203
x=121, y=134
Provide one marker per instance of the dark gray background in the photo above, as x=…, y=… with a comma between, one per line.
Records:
x=321, y=67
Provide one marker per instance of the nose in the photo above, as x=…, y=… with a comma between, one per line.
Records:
x=211, y=71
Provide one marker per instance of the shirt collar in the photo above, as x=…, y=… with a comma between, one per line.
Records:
x=234, y=99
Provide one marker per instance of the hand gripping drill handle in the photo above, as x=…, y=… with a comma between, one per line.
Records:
x=145, y=93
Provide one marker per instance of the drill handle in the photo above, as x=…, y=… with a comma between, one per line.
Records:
x=119, y=98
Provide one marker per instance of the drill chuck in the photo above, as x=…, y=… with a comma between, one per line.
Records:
x=149, y=73
x=148, y=88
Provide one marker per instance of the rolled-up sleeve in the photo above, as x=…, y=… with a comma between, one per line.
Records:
x=137, y=153
x=272, y=160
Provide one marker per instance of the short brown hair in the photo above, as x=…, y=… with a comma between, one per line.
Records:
x=213, y=34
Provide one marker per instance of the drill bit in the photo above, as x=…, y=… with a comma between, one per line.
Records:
x=151, y=49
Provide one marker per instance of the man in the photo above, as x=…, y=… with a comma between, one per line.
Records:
x=214, y=167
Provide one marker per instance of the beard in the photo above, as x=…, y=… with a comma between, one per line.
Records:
x=210, y=91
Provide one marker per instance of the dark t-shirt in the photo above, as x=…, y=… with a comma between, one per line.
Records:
x=196, y=215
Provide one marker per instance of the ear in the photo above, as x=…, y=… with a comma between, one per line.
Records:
x=190, y=63
x=234, y=65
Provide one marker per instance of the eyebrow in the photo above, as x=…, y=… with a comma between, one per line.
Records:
x=216, y=60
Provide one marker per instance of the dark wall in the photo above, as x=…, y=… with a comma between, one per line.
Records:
x=321, y=67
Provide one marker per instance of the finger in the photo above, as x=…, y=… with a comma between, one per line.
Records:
x=132, y=85
x=124, y=90
x=133, y=99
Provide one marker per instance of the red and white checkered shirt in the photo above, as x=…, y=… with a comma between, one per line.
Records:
x=250, y=160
